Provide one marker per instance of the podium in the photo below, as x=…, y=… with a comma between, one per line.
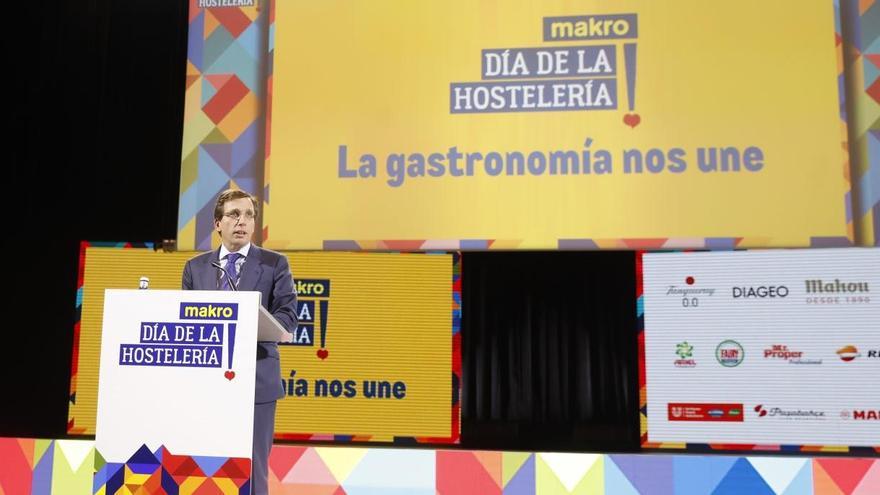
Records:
x=176, y=388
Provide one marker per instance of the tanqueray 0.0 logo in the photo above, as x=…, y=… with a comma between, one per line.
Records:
x=691, y=294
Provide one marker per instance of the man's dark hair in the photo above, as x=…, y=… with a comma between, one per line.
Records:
x=229, y=195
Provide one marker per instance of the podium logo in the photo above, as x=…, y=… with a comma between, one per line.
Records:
x=312, y=308
x=188, y=344
x=208, y=311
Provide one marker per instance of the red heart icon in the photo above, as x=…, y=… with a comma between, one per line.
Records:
x=229, y=375
x=322, y=353
x=632, y=119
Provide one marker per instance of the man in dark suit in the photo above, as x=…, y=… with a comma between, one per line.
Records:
x=250, y=268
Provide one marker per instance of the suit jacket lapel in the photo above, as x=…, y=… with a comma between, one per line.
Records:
x=210, y=275
x=251, y=270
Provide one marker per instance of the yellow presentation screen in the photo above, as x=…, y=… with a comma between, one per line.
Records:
x=555, y=124
x=375, y=357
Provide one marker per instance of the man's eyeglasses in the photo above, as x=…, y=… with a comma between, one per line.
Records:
x=236, y=215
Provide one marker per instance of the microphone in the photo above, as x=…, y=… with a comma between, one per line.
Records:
x=217, y=265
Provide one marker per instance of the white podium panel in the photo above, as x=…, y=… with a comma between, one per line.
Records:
x=177, y=371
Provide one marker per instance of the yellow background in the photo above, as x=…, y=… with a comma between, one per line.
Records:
x=390, y=317
x=375, y=75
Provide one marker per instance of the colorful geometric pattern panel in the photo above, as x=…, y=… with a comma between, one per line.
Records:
x=66, y=467
x=861, y=49
x=44, y=467
x=223, y=114
x=164, y=472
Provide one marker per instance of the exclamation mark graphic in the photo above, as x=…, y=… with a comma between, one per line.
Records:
x=230, y=338
x=322, y=352
x=231, y=343
x=629, y=54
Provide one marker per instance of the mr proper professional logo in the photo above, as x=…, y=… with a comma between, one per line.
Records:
x=782, y=352
x=195, y=342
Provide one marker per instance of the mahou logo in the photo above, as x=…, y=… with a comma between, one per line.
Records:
x=819, y=286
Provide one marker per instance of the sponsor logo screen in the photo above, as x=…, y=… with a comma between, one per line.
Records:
x=764, y=348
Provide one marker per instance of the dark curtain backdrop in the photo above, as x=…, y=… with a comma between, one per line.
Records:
x=96, y=118
x=549, y=347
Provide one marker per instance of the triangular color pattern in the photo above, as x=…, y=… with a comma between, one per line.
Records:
x=742, y=478
x=570, y=469
x=283, y=458
x=522, y=480
x=870, y=482
x=209, y=465
x=695, y=475
x=778, y=472
x=341, y=461
x=310, y=470
x=491, y=462
x=802, y=482
x=616, y=482
x=846, y=473
x=648, y=474
x=822, y=483
x=74, y=452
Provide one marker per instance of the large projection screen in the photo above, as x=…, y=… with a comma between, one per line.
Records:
x=449, y=124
